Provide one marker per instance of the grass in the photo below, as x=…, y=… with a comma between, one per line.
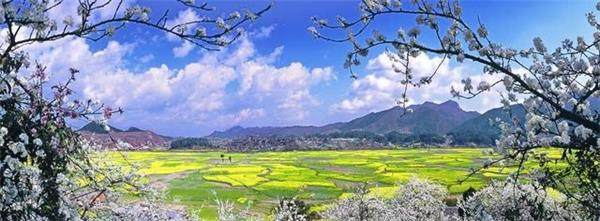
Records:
x=258, y=180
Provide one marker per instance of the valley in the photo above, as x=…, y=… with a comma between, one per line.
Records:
x=258, y=180
x=421, y=125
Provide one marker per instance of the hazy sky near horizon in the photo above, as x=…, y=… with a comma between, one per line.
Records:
x=278, y=74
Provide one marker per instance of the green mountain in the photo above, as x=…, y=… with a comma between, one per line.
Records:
x=484, y=129
x=426, y=118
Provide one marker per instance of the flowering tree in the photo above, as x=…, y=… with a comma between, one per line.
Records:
x=415, y=200
x=292, y=210
x=418, y=200
x=361, y=206
x=227, y=211
x=510, y=201
x=47, y=172
x=557, y=87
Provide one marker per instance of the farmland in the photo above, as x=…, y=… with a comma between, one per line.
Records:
x=258, y=180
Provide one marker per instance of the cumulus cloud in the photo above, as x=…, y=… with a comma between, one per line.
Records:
x=198, y=87
x=73, y=52
x=240, y=116
x=183, y=50
x=146, y=58
x=381, y=87
x=183, y=17
x=263, y=32
x=287, y=86
x=216, y=90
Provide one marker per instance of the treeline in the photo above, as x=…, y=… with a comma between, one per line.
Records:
x=335, y=140
x=484, y=138
x=190, y=142
x=393, y=137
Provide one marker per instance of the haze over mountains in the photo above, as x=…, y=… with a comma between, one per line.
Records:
x=446, y=119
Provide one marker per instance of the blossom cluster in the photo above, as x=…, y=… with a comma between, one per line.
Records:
x=415, y=200
x=423, y=200
x=510, y=201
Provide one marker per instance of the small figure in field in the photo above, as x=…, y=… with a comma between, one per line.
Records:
x=229, y=159
x=222, y=158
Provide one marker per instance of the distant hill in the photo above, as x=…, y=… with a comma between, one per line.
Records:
x=137, y=138
x=485, y=129
x=134, y=129
x=94, y=127
x=426, y=118
x=240, y=132
x=427, y=124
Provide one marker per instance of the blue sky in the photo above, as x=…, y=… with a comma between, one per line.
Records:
x=279, y=74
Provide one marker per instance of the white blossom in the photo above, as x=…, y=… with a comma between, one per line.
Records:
x=460, y=57
x=539, y=45
x=68, y=21
x=37, y=142
x=200, y=31
x=482, y=31
x=40, y=153
x=221, y=23
x=3, y=131
x=313, y=31
x=24, y=138
x=507, y=201
x=583, y=132
x=415, y=200
x=467, y=84
x=483, y=86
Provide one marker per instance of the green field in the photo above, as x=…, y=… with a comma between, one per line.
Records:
x=258, y=180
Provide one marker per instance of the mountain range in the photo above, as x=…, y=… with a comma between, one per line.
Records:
x=136, y=137
x=445, y=119
x=426, y=118
x=485, y=129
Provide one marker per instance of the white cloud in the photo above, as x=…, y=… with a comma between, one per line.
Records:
x=146, y=58
x=245, y=114
x=183, y=17
x=122, y=88
x=381, y=87
x=244, y=52
x=202, y=85
x=73, y=52
x=289, y=85
x=183, y=50
x=236, y=85
x=263, y=32
x=198, y=87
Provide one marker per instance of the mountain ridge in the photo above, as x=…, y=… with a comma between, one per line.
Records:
x=95, y=127
x=425, y=118
x=485, y=128
x=425, y=124
x=136, y=138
